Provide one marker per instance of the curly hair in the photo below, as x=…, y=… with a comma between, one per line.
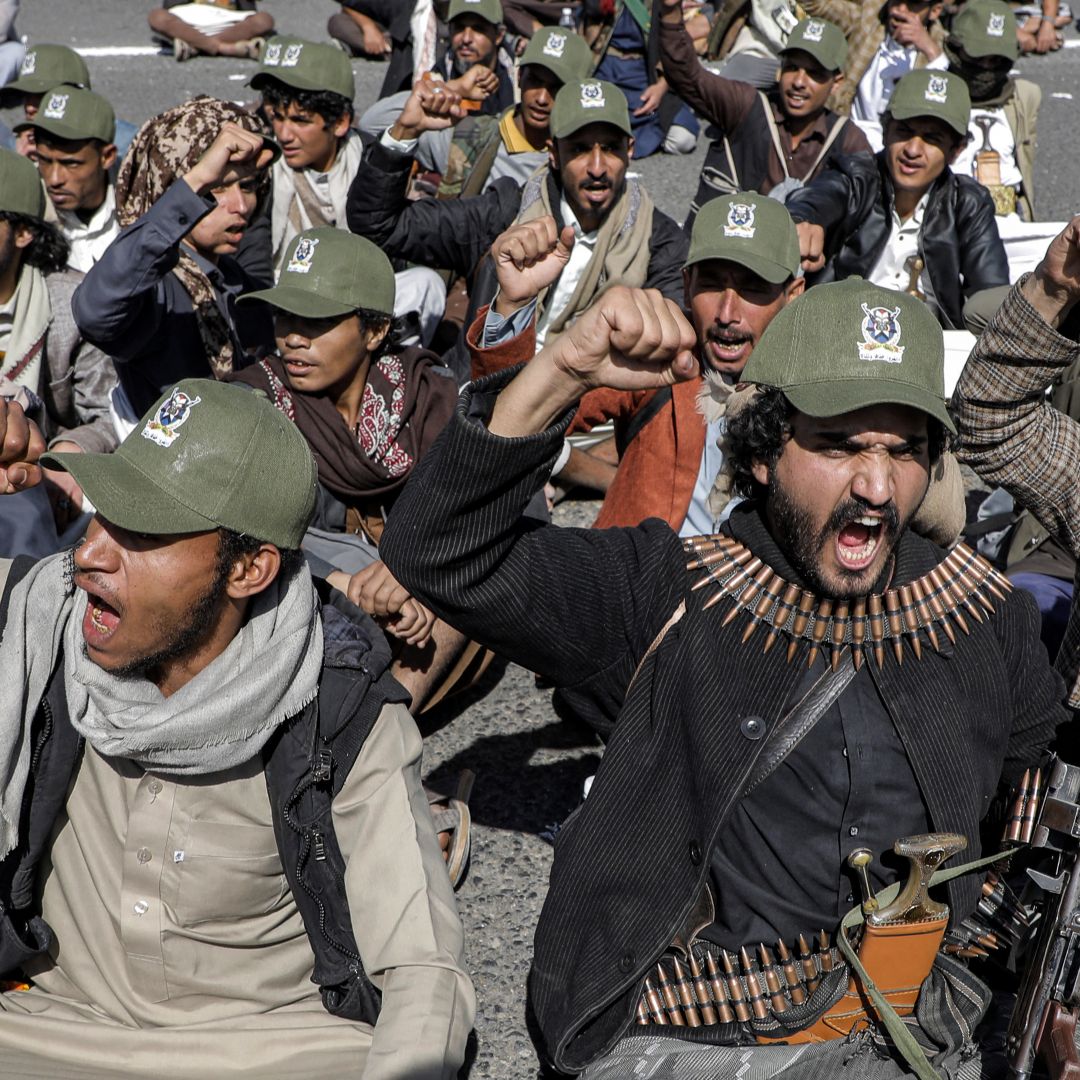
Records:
x=324, y=103
x=758, y=432
x=48, y=251
x=234, y=546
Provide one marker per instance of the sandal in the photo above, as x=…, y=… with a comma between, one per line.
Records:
x=453, y=817
x=182, y=51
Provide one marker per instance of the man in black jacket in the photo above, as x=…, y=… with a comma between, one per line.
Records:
x=619, y=235
x=904, y=220
x=741, y=775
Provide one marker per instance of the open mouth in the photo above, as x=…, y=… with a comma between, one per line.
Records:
x=728, y=349
x=298, y=367
x=857, y=542
x=101, y=619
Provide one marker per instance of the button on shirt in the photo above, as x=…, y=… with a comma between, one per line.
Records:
x=894, y=266
x=89, y=239
x=563, y=289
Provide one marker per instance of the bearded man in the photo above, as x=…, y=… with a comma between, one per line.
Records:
x=771, y=720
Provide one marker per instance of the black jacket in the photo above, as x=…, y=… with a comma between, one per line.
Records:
x=959, y=241
x=455, y=234
x=580, y=607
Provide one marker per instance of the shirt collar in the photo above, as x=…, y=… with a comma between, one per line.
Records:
x=100, y=220
x=570, y=218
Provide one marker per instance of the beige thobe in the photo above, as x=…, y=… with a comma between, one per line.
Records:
x=182, y=954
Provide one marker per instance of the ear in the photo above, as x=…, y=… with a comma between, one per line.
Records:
x=553, y=156
x=341, y=126
x=108, y=156
x=252, y=574
x=686, y=278
x=958, y=149
x=629, y=146
x=934, y=13
x=796, y=288
x=24, y=236
x=376, y=337
x=760, y=472
x=837, y=79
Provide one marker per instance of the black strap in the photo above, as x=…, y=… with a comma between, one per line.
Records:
x=625, y=436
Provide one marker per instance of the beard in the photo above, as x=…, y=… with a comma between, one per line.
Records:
x=803, y=545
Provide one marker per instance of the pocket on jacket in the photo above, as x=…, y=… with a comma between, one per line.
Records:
x=227, y=872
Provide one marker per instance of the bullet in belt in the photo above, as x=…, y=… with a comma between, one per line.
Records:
x=734, y=988
x=772, y=981
x=685, y=993
x=825, y=952
x=719, y=993
x=654, y=1004
x=701, y=992
x=642, y=1012
x=1015, y=826
x=667, y=995
x=810, y=971
x=791, y=976
x=1031, y=808
x=753, y=986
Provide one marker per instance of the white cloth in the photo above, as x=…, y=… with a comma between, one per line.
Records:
x=893, y=268
x=1025, y=242
x=89, y=239
x=420, y=289
x=208, y=18
x=563, y=289
x=1001, y=139
x=890, y=64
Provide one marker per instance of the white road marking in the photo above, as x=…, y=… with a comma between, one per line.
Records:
x=120, y=50
x=1064, y=96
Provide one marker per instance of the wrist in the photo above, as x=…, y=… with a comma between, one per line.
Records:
x=195, y=181
x=506, y=306
x=535, y=399
x=404, y=132
x=1052, y=301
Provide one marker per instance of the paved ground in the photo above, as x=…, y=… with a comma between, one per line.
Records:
x=531, y=766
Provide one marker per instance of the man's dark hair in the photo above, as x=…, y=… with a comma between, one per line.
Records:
x=957, y=138
x=48, y=251
x=375, y=320
x=330, y=106
x=757, y=433
x=236, y=545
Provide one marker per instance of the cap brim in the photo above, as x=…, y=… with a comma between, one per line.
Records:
x=301, y=302
x=802, y=46
x=983, y=48
x=61, y=131
x=773, y=272
x=127, y=497
x=907, y=113
x=565, y=131
x=820, y=398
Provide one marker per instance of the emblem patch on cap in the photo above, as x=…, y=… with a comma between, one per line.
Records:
x=272, y=56
x=881, y=335
x=300, y=263
x=29, y=64
x=813, y=30
x=740, y=221
x=555, y=45
x=937, y=89
x=56, y=107
x=996, y=26
x=292, y=55
x=174, y=411
x=592, y=96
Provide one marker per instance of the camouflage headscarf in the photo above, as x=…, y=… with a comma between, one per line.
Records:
x=163, y=150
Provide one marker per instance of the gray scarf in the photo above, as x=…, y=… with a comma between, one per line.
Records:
x=220, y=719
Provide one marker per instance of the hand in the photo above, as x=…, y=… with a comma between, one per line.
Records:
x=1055, y=286
x=233, y=147
x=651, y=98
x=909, y=30
x=1047, y=38
x=25, y=145
x=811, y=245
x=376, y=591
x=671, y=12
x=21, y=444
x=432, y=106
x=528, y=258
x=376, y=40
x=477, y=84
x=65, y=495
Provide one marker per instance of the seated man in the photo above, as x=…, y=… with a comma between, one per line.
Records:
x=307, y=94
x=777, y=140
x=621, y=236
x=485, y=147
x=44, y=360
x=219, y=860
x=221, y=28
x=718, y=818
x=1000, y=149
x=903, y=219
x=161, y=299
x=363, y=26
x=43, y=68
x=74, y=139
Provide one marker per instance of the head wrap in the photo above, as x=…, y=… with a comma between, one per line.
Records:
x=163, y=150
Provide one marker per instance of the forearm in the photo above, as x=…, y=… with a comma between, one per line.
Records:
x=538, y=396
x=721, y=101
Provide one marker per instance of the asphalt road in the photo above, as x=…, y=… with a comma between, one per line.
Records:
x=530, y=765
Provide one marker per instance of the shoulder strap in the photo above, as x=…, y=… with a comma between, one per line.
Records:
x=633, y=426
x=834, y=134
x=774, y=131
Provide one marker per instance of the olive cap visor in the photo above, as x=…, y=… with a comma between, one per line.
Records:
x=821, y=399
x=772, y=272
x=309, y=305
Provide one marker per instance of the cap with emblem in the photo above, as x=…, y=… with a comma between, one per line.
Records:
x=20, y=186
x=986, y=28
x=823, y=40
x=942, y=94
x=749, y=229
x=46, y=66
x=330, y=272
x=70, y=113
x=847, y=345
x=305, y=65
x=207, y=455
x=579, y=104
x=561, y=51
x=486, y=9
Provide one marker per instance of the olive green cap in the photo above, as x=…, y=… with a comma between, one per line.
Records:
x=561, y=51
x=305, y=65
x=932, y=93
x=70, y=113
x=591, y=101
x=46, y=66
x=329, y=272
x=749, y=229
x=207, y=455
x=823, y=40
x=986, y=28
x=848, y=345
x=486, y=9
x=20, y=186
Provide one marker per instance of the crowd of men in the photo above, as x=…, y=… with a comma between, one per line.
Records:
x=288, y=389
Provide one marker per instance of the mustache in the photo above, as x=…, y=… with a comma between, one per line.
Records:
x=850, y=510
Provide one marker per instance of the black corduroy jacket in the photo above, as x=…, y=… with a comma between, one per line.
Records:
x=581, y=606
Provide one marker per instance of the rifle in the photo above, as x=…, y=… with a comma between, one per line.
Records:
x=1043, y=1024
